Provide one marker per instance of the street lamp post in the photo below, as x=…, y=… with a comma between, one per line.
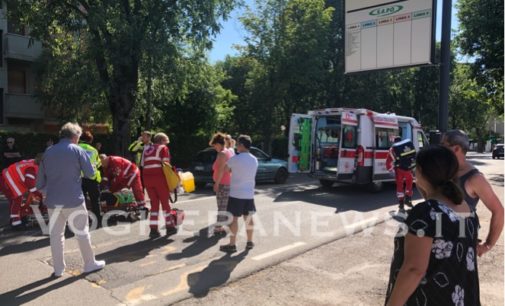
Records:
x=445, y=66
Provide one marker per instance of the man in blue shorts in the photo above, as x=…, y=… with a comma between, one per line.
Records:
x=243, y=167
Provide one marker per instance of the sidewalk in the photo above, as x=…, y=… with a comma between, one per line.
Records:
x=350, y=271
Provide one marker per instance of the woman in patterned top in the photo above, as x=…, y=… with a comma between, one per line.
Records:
x=434, y=261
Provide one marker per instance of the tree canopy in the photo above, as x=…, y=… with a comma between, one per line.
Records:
x=145, y=62
x=121, y=35
x=481, y=38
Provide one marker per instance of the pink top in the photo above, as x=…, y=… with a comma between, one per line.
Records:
x=225, y=180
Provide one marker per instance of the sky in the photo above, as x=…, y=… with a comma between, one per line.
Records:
x=232, y=32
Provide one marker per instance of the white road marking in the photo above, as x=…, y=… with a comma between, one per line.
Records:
x=279, y=250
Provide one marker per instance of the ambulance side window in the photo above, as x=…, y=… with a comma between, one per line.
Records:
x=384, y=138
x=349, y=137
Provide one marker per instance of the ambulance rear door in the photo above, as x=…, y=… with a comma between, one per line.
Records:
x=348, y=146
x=385, y=131
x=300, y=143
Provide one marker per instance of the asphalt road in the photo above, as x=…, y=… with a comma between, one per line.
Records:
x=294, y=220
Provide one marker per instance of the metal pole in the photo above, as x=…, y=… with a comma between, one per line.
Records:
x=445, y=66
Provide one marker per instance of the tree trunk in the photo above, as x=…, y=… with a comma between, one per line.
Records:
x=121, y=135
x=121, y=103
x=121, y=108
x=149, y=95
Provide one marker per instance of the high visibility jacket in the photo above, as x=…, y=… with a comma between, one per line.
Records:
x=152, y=158
x=402, y=155
x=21, y=177
x=95, y=160
x=136, y=148
x=120, y=173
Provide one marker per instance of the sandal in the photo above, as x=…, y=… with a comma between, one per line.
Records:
x=228, y=248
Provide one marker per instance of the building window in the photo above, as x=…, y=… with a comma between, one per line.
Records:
x=17, y=81
x=15, y=27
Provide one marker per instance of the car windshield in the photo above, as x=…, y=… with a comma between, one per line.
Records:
x=207, y=156
x=258, y=154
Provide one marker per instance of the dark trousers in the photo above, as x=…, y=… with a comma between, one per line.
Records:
x=91, y=188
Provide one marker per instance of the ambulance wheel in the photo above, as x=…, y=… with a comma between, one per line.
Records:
x=326, y=183
x=281, y=176
x=375, y=187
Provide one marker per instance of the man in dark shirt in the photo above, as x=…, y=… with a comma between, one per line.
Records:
x=10, y=154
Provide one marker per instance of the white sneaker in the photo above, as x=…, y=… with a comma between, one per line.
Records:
x=97, y=265
x=57, y=274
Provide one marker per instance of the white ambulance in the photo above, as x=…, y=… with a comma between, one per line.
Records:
x=348, y=145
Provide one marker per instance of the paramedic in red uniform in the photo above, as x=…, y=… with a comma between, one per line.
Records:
x=156, y=185
x=121, y=173
x=18, y=179
x=401, y=160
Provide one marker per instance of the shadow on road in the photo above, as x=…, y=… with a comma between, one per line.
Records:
x=215, y=274
x=26, y=246
x=133, y=252
x=496, y=179
x=343, y=197
x=17, y=296
x=201, y=242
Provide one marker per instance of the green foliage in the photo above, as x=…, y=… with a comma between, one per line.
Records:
x=126, y=39
x=481, y=37
x=142, y=64
x=469, y=104
x=70, y=90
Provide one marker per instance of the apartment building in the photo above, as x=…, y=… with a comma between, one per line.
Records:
x=19, y=109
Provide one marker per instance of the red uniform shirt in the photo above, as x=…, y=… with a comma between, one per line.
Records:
x=152, y=157
x=21, y=177
x=120, y=173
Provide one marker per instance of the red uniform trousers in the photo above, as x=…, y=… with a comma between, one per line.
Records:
x=401, y=176
x=157, y=189
x=17, y=210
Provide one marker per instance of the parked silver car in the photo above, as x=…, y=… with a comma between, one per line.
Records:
x=269, y=169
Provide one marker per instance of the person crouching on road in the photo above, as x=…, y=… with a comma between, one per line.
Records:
x=121, y=173
x=241, y=201
x=156, y=185
x=401, y=160
x=435, y=258
x=60, y=175
x=17, y=179
x=221, y=180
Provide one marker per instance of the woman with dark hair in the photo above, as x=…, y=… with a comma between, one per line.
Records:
x=434, y=261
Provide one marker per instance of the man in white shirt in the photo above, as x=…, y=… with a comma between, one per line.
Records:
x=241, y=201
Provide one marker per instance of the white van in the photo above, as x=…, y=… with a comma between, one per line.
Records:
x=347, y=145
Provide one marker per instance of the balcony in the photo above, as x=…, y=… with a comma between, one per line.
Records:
x=22, y=106
x=18, y=47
